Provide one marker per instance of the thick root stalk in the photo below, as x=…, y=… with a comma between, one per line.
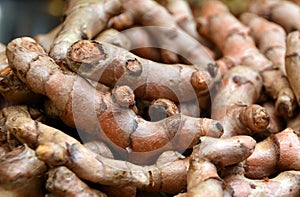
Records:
x=277, y=153
x=284, y=184
x=115, y=66
x=234, y=105
x=271, y=41
x=63, y=182
x=292, y=62
x=282, y=12
x=83, y=20
x=46, y=40
x=43, y=76
x=21, y=173
x=209, y=156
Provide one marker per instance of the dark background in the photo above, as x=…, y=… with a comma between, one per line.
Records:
x=28, y=17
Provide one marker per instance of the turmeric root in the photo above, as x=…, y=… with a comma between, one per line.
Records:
x=114, y=37
x=239, y=48
x=56, y=148
x=63, y=182
x=282, y=12
x=169, y=35
x=277, y=153
x=284, y=184
x=122, y=21
x=294, y=123
x=292, y=62
x=83, y=20
x=22, y=173
x=112, y=65
x=76, y=97
x=234, y=108
x=271, y=42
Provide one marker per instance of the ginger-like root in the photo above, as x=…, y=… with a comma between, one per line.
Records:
x=83, y=20
x=99, y=148
x=112, y=65
x=281, y=12
x=292, y=62
x=63, y=182
x=122, y=21
x=294, y=123
x=277, y=153
x=3, y=59
x=162, y=108
x=271, y=42
x=114, y=37
x=169, y=35
x=239, y=48
x=46, y=40
x=143, y=44
x=72, y=96
x=287, y=183
x=21, y=173
x=234, y=106
x=14, y=90
x=56, y=148
x=211, y=155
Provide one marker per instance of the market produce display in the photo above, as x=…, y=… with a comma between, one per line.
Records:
x=154, y=98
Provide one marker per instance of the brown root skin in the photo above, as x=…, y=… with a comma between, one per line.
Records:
x=84, y=20
x=234, y=106
x=277, y=153
x=292, y=62
x=99, y=148
x=285, y=183
x=15, y=91
x=56, y=148
x=63, y=182
x=280, y=12
x=114, y=37
x=26, y=180
x=150, y=13
x=162, y=108
x=122, y=21
x=112, y=65
x=294, y=123
x=271, y=40
x=209, y=156
x=43, y=76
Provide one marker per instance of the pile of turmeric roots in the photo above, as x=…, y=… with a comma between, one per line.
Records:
x=154, y=98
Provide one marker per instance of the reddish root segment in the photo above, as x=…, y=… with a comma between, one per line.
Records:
x=271, y=40
x=115, y=66
x=286, y=183
x=210, y=155
x=57, y=149
x=83, y=20
x=63, y=182
x=21, y=173
x=72, y=96
x=169, y=35
x=281, y=12
x=238, y=47
x=234, y=105
x=292, y=62
x=277, y=153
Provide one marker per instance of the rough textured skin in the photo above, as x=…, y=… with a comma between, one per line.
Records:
x=56, y=148
x=292, y=60
x=271, y=41
x=62, y=182
x=150, y=13
x=284, y=184
x=234, y=105
x=46, y=40
x=83, y=20
x=72, y=96
x=113, y=66
x=209, y=156
x=282, y=12
x=21, y=173
x=277, y=153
